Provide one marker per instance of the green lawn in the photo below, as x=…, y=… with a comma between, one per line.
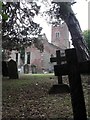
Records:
x=28, y=97
x=27, y=80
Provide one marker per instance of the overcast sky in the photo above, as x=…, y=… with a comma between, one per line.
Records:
x=81, y=11
x=81, y=8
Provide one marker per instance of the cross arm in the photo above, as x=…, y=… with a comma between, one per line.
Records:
x=64, y=69
x=54, y=59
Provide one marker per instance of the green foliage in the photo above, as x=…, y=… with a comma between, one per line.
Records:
x=4, y=16
x=0, y=3
x=86, y=34
x=0, y=6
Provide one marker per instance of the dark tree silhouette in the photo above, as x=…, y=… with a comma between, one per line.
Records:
x=67, y=14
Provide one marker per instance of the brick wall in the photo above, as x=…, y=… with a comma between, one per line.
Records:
x=42, y=60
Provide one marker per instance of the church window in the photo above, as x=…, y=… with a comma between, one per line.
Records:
x=22, y=54
x=57, y=34
x=28, y=57
x=16, y=57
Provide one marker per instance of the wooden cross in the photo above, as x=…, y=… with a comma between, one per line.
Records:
x=58, y=59
x=73, y=69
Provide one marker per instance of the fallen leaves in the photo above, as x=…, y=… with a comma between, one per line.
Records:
x=33, y=101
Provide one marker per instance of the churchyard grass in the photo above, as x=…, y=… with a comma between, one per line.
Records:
x=28, y=97
x=26, y=79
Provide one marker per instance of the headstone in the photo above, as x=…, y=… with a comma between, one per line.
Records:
x=51, y=69
x=4, y=69
x=26, y=68
x=12, y=69
x=34, y=69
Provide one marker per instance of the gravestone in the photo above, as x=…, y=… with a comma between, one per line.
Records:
x=12, y=69
x=58, y=60
x=33, y=69
x=26, y=68
x=60, y=87
x=4, y=69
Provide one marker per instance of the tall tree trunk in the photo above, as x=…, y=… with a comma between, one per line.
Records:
x=67, y=14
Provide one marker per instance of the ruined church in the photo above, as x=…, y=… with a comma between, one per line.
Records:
x=41, y=60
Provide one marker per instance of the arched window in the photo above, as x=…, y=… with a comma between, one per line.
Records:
x=28, y=57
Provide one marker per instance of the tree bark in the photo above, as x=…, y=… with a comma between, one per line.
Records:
x=67, y=14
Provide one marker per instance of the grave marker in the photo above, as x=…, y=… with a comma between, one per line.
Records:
x=73, y=69
x=4, y=69
x=33, y=69
x=58, y=59
x=12, y=69
x=26, y=68
x=60, y=87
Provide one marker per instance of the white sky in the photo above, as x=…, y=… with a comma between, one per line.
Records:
x=81, y=8
x=81, y=11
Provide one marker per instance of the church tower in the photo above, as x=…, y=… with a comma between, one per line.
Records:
x=60, y=36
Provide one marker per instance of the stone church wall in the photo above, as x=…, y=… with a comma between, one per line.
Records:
x=42, y=59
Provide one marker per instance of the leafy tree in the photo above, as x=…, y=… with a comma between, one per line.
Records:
x=63, y=11
x=58, y=11
x=86, y=34
x=4, y=16
x=19, y=28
